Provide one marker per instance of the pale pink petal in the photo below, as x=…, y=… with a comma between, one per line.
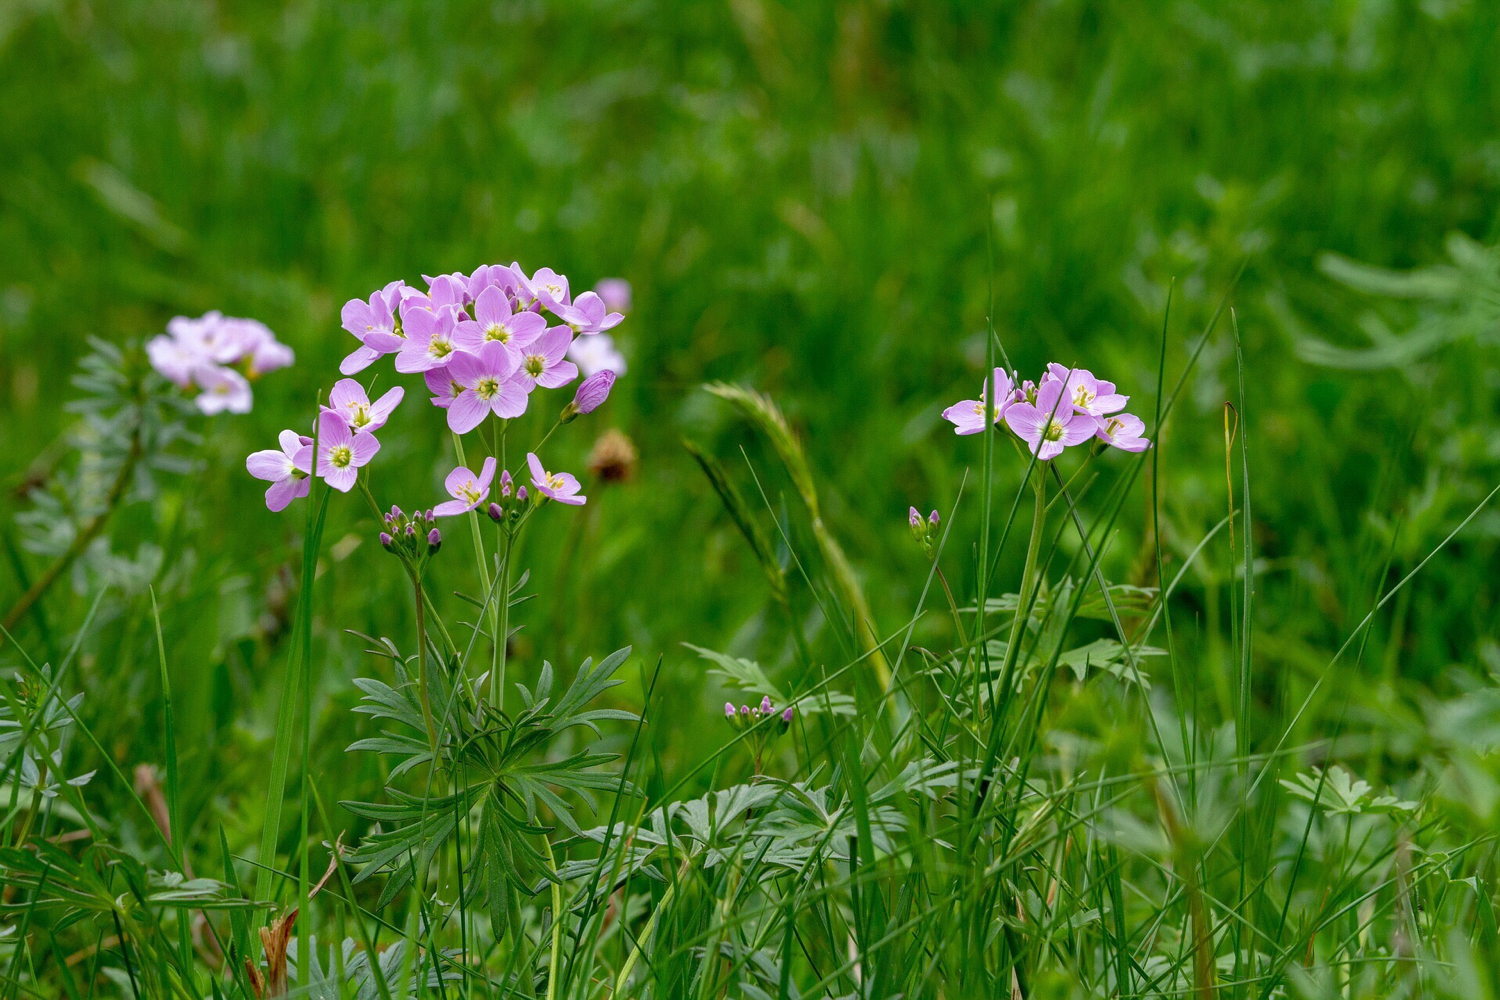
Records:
x=467, y=412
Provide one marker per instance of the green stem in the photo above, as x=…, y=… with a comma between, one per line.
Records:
x=502, y=626
x=416, y=582
x=1028, y=585
x=557, y=909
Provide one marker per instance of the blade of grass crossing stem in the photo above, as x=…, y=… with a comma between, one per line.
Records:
x=301, y=644
x=175, y=831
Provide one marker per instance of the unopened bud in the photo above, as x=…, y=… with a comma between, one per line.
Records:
x=521, y=494
x=729, y=710
x=434, y=540
x=496, y=514
x=932, y=519
x=786, y=716
x=765, y=705
x=915, y=519
x=386, y=540
x=411, y=531
x=505, y=483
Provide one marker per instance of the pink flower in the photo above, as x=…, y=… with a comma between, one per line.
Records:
x=444, y=388
x=557, y=486
x=546, y=287
x=542, y=362
x=224, y=390
x=468, y=490
x=595, y=354
x=494, y=319
x=489, y=385
x=429, y=339
x=1123, y=431
x=349, y=400
x=373, y=322
x=615, y=292
x=341, y=452
x=1087, y=394
x=968, y=416
x=286, y=470
x=589, y=315
x=1049, y=425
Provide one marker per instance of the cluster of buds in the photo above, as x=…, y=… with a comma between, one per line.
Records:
x=512, y=502
x=750, y=719
x=923, y=529
x=414, y=537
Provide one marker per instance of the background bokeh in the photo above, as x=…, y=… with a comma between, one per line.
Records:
x=820, y=200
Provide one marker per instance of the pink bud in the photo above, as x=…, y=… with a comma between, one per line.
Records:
x=729, y=710
x=594, y=391
x=765, y=705
x=505, y=482
x=787, y=715
x=932, y=519
x=914, y=517
x=495, y=513
x=386, y=540
x=521, y=494
x=434, y=539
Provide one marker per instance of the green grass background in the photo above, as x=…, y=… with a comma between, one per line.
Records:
x=820, y=200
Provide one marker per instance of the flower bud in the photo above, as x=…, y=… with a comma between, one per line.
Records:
x=786, y=716
x=496, y=514
x=434, y=541
x=914, y=518
x=729, y=710
x=765, y=705
x=521, y=494
x=932, y=519
x=395, y=512
x=591, y=394
x=505, y=483
x=386, y=540
x=411, y=530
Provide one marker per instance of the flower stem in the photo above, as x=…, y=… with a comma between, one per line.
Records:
x=1028, y=585
x=416, y=582
x=557, y=909
x=500, y=621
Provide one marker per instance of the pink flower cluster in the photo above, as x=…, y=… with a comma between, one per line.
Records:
x=218, y=355
x=483, y=342
x=1067, y=407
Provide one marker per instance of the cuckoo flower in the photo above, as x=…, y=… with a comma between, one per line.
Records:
x=588, y=314
x=489, y=386
x=1124, y=431
x=349, y=400
x=558, y=486
x=341, y=452
x=542, y=362
x=286, y=470
x=494, y=319
x=968, y=416
x=175, y=359
x=444, y=388
x=373, y=321
x=1087, y=394
x=491, y=276
x=596, y=354
x=429, y=339
x=615, y=292
x=468, y=490
x=546, y=287
x=1050, y=424
x=224, y=390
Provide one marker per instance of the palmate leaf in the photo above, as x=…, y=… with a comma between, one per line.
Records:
x=512, y=780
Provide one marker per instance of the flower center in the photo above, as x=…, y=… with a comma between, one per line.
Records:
x=1029, y=391
x=471, y=494
x=535, y=365
x=1053, y=431
x=487, y=387
x=497, y=331
x=455, y=389
x=439, y=347
x=1111, y=427
x=1082, y=396
x=340, y=455
x=359, y=413
x=553, y=289
x=554, y=482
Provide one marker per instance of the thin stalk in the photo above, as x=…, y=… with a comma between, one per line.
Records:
x=557, y=910
x=502, y=628
x=1028, y=582
x=422, y=693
